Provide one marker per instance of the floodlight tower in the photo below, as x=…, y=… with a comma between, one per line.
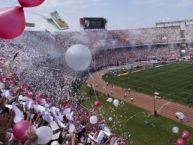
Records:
x=156, y=96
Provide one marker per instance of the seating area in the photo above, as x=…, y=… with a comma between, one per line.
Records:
x=123, y=38
x=68, y=120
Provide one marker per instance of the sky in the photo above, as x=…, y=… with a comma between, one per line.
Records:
x=121, y=14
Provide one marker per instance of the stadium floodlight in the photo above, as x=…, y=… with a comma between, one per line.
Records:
x=156, y=93
x=59, y=23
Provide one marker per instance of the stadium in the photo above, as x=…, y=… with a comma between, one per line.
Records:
x=96, y=86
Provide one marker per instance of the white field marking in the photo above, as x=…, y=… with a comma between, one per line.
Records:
x=163, y=106
x=134, y=116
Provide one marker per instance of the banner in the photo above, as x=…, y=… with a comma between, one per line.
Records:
x=61, y=24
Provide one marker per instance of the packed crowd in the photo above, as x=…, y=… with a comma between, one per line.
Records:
x=122, y=38
x=189, y=33
x=45, y=63
x=68, y=120
x=122, y=56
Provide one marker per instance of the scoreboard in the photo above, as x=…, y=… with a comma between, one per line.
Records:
x=93, y=23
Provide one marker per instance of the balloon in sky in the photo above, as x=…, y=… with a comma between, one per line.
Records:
x=12, y=22
x=30, y=3
x=78, y=57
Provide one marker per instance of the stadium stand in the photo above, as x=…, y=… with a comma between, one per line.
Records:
x=40, y=57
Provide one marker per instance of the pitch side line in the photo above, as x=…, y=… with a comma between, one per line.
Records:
x=163, y=106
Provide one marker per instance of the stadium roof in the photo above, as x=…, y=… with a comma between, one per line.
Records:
x=175, y=22
x=41, y=23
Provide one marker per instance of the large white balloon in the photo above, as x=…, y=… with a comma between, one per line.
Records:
x=175, y=129
x=93, y=119
x=78, y=57
x=116, y=102
x=44, y=134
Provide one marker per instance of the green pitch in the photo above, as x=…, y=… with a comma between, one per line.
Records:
x=129, y=122
x=174, y=82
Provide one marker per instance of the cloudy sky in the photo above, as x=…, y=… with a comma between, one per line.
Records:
x=121, y=14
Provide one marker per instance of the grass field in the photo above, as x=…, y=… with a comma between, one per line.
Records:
x=174, y=82
x=128, y=121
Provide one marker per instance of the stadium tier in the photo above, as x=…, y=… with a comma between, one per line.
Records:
x=125, y=38
x=43, y=50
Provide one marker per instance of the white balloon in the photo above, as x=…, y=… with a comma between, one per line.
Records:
x=110, y=118
x=175, y=129
x=116, y=102
x=180, y=115
x=78, y=57
x=110, y=100
x=44, y=134
x=93, y=119
x=2, y=86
